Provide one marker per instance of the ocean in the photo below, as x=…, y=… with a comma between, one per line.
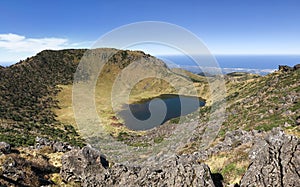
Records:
x=259, y=64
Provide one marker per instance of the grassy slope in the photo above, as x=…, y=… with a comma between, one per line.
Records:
x=265, y=102
x=26, y=97
x=253, y=102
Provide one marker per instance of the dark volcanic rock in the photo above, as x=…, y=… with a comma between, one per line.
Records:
x=90, y=168
x=4, y=148
x=175, y=171
x=288, y=68
x=297, y=67
x=285, y=68
x=275, y=161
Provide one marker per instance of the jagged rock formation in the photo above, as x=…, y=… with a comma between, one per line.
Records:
x=275, y=161
x=91, y=168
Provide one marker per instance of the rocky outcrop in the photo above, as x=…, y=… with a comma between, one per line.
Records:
x=54, y=145
x=91, y=168
x=86, y=166
x=275, y=161
x=176, y=171
x=285, y=68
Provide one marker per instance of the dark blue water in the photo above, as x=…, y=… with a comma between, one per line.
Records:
x=150, y=113
x=229, y=63
x=257, y=61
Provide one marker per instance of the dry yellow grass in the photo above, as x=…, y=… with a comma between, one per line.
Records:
x=231, y=165
x=147, y=88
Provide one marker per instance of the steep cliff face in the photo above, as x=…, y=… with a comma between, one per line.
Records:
x=275, y=161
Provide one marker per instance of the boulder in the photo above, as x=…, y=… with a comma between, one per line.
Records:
x=5, y=148
x=86, y=166
x=61, y=147
x=275, y=161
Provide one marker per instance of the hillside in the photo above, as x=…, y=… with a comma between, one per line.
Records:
x=40, y=144
x=116, y=81
x=27, y=97
x=36, y=93
x=264, y=102
x=254, y=106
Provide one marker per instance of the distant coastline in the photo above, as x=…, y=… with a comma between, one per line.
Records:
x=258, y=64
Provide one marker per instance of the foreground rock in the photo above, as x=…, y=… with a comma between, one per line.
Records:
x=275, y=161
x=90, y=168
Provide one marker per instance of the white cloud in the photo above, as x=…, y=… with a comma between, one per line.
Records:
x=18, y=43
x=11, y=37
x=14, y=47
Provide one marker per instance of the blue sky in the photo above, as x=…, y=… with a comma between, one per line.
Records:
x=226, y=27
